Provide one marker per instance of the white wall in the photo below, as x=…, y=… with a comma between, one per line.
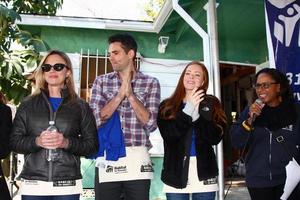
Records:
x=75, y=59
x=168, y=73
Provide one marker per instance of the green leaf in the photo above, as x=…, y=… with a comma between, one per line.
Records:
x=23, y=37
x=14, y=62
x=9, y=71
x=18, y=92
x=9, y=14
x=31, y=64
x=18, y=67
x=38, y=45
x=48, y=7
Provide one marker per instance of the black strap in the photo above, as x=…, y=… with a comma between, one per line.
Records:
x=246, y=147
x=280, y=139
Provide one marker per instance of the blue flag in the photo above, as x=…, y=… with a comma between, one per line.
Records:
x=283, y=27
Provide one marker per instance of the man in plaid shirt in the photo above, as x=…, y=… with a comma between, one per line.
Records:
x=136, y=97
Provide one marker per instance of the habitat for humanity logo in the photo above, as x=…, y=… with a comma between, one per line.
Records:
x=283, y=28
x=285, y=24
x=116, y=169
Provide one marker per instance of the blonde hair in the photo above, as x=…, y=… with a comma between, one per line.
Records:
x=41, y=83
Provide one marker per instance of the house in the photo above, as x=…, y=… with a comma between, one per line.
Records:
x=239, y=34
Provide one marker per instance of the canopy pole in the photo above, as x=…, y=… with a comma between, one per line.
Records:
x=198, y=29
x=214, y=55
x=211, y=61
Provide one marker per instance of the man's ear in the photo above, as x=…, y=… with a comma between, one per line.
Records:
x=131, y=53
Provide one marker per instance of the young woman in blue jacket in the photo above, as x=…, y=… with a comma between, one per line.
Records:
x=190, y=123
x=275, y=115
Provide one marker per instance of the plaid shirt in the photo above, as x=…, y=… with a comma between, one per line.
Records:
x=145, y=88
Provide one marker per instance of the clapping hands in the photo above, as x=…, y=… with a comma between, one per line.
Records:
x=126, y=88
x=195, y=97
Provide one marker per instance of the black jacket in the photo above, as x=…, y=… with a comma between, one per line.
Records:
x=5, y=127
x=266, y=158
x=177, y=136
x=74, y=119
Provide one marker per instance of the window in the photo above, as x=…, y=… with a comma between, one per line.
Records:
x=91, y=67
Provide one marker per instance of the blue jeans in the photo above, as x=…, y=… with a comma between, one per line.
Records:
x=60, y=197
x=195, y=196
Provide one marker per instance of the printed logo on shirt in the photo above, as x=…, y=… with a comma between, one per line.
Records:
x=205, y=108
x=30, y=182
x=210, y=181
x=64, y=183
x=109, y=169
x=147, y=168
x=116, y=169
x=288, y=128
x=120, y=169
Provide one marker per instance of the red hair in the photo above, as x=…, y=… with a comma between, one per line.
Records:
x=172, y=104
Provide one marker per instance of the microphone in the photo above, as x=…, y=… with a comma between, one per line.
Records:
x=261, y=103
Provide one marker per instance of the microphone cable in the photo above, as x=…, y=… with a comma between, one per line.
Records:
x=239, y=160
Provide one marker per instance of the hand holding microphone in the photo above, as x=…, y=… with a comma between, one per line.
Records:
x=255, y=110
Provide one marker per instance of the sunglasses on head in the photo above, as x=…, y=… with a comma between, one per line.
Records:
x=57, y=67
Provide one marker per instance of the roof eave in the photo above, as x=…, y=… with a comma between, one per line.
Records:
x=96, y=23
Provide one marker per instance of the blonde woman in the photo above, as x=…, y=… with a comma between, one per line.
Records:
x=51, y=169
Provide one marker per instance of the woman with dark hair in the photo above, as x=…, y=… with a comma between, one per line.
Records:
x=190, y=123
x=274, y=116
x=5, y=127
x=53, y=128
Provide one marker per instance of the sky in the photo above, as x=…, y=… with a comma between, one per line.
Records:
x=111, y=9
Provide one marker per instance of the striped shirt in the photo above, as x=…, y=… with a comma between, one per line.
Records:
x=145, y=88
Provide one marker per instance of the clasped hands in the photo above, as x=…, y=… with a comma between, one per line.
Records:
x=126, y=88
x=52, y=140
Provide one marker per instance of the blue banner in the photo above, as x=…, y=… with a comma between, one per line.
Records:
x=283, y=27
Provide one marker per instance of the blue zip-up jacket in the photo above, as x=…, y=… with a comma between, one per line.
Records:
x=266, y=158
